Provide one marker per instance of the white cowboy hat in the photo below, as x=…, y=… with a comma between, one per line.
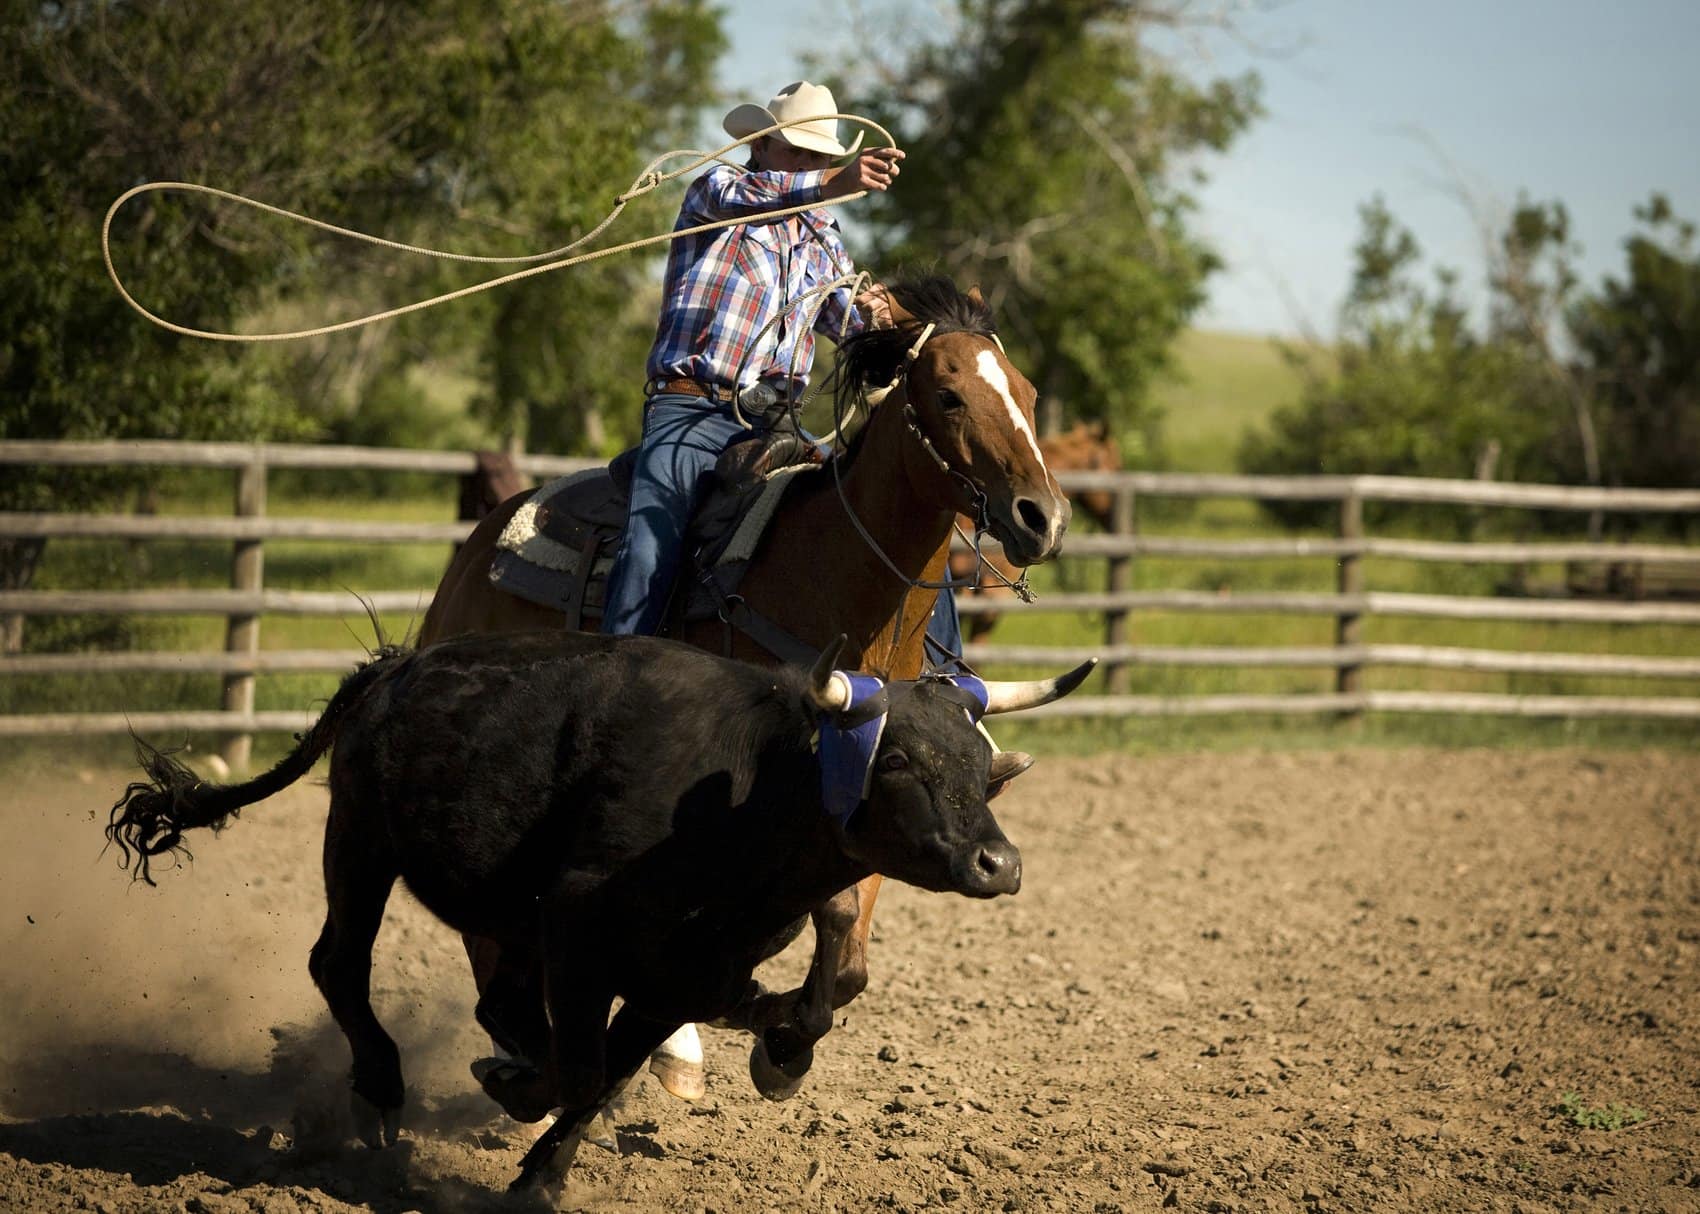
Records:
x=799, y=100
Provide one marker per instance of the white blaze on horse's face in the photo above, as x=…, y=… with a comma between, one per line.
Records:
x=985, y=407
x=987, y=365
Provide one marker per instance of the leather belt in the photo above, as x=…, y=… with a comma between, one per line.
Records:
x=690, y=387
x=760, y=398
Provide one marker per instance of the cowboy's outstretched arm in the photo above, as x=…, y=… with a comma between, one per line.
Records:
x=726, y=192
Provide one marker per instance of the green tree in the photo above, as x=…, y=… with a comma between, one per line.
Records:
x=1638, y=337
x=1411, y=386
x=1560, y=383
x=508, y=125
x=1050, y=150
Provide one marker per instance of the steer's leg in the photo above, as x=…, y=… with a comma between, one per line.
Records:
x=628, y=1042
x=784, y=1053
x=510, y=1003
x=358, y=878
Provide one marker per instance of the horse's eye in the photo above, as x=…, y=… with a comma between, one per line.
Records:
x=895, y=761
x=948, y=400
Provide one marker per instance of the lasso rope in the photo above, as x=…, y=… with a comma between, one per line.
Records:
x=646, y=181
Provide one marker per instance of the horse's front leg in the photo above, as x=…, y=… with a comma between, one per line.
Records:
x=853, y=960
x=784, y=1052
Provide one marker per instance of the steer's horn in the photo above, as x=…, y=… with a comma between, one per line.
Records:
x=1010, y=697
x=826, y=693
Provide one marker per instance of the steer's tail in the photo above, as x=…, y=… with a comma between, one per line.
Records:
x=151, y=816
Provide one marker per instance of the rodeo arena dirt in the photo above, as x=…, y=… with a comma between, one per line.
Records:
x=1364, y=980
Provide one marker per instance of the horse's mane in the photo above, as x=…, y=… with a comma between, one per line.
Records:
x=873, y=357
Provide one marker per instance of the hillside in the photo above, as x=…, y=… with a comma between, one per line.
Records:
x=1224, y=383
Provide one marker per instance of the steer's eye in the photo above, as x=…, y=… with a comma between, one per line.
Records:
x=895, y=761
x=948, y=400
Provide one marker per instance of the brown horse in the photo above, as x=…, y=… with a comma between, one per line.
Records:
x=954, y=434
x=1086, y=447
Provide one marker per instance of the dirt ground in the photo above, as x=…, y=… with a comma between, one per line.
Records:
x=1365, y=980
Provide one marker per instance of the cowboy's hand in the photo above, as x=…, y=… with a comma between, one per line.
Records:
x=875, y=303
x=872, y=170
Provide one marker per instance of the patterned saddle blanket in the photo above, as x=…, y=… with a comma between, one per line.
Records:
x=558, y=547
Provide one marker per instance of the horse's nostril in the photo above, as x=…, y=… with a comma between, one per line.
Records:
x=1031, y=516
x=990, y=862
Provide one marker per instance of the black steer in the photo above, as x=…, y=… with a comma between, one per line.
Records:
x=643, y=819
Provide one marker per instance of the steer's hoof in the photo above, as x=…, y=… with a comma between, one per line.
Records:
x=779, y=1081
x=521, y=1090
x=602, y=1132
x=378, y=1128
x=677, y=1062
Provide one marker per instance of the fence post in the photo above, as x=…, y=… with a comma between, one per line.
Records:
x=1117, y=624
x=242, y=632
x=1348, y=626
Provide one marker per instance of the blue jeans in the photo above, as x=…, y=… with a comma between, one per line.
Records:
x=943, y=644
x=683, y=436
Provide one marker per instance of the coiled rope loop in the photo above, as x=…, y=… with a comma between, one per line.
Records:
x=554, y=259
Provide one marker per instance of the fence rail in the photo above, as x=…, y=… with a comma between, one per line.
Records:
x=248, y=600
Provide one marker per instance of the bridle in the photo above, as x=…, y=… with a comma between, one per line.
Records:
x=912, y=423
x=808, y=306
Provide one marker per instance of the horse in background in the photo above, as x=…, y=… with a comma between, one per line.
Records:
x=1085, y=447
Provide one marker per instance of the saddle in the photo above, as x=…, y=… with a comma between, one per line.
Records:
x=559, y=546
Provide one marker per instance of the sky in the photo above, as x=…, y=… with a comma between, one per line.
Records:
x=1594, y=104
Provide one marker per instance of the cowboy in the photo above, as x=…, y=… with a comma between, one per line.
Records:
x=722, y=287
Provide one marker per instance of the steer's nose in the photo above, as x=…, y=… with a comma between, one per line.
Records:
x=992, y=869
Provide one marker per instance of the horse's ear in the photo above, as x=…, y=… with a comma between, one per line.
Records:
x=974, y=296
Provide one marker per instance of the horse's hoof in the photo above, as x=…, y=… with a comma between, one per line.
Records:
x=677, y=1063
x=779, y=1081
x=378, y=1128
x=521, y=1090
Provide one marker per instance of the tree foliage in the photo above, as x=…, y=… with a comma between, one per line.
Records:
x=498, y=127
x=1050, y=154
x=1559, y=383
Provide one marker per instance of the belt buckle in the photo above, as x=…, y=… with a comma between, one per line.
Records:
x=761, y=396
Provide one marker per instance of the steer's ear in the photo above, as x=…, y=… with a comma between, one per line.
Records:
x=826, y=693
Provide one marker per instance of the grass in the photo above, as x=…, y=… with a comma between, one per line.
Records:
x=1614, y=1116
x=1224, y=384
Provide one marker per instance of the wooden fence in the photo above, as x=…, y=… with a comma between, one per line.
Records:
x=248, y=600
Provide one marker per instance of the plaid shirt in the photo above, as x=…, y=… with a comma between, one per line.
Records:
x=723, y=286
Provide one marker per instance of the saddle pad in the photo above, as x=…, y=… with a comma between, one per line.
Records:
x=525, y=539
x=535, y=566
